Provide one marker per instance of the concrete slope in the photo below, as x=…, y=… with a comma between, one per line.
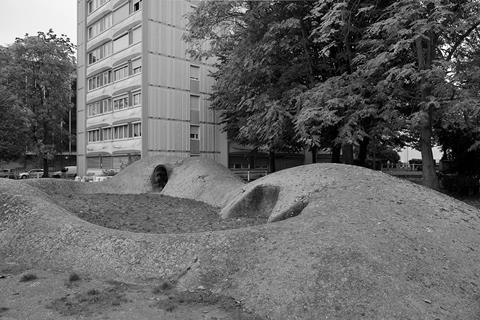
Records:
x=365, y=246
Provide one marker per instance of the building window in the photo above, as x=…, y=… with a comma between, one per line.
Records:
x=194, y=79
x=137, y=5
x=94, y=135
x=107, y=134
x=99, y=107
x=136, y=35
x=120, y=103
x=194, y=103
x=120, y=43
x=121, y=13
x=93, y=5
x=137, y=98
x=194, y=132
x=99, y=80
x=137, y=129
x=120, y=132
x=137, y=66
x=194, y=73
x=99, y=53
x=100, y=26
x=121, y=72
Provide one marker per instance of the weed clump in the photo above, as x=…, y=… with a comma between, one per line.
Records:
x=73, y=277
x=28, y=277
x=164, y=286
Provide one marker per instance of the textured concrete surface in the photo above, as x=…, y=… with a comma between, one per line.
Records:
x=365, y=246
x=199, y=179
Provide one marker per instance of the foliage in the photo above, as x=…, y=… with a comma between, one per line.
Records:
x=13, y=126
x=342, y=71
x=264, y=58
x=39, y=74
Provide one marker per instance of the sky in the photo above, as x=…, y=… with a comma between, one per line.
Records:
x=18, y=17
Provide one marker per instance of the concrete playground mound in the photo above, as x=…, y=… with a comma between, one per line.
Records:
x=342, y=243
x=199, y=179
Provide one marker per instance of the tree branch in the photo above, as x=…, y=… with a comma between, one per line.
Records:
x=460, y=40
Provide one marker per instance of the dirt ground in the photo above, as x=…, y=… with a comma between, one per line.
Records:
x=28, y=293
x=32, y=293
x=150, y=213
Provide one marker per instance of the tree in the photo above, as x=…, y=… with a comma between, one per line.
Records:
x=410, y=51
x=13, y=126
x=264, y=58
x=39, y=74
x=344, y=72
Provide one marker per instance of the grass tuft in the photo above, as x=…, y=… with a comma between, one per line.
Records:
x=164, y=286
x=28, y=277
x=73, y=277
x=93, y=292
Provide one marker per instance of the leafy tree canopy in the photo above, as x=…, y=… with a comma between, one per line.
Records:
x=39, y=75
x=342, y=71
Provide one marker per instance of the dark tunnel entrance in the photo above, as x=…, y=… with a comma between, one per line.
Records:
x=159, y=178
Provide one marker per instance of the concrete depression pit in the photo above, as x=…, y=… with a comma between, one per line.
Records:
x=360, y=244
x=151, y=213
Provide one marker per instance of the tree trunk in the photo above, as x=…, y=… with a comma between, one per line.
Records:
x=425, y=56
x=45, y=168
x=336, y=154
x=430, y=178
x=362, y=153
x=314, y=150
x=347, y=152
x=271, y=160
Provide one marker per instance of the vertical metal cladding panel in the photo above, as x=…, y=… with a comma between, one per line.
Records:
x=168, y=135
x=154, y=38
x=206, y=114
x=206, y=138
x=168, y=72
x=168, y=103
x=81, y=83
x=81, y=94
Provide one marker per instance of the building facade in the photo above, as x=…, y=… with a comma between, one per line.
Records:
x=139, y=93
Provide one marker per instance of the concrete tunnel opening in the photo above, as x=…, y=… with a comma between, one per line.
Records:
x=159, y=178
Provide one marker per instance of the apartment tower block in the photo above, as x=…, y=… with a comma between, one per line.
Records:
x=139, y=93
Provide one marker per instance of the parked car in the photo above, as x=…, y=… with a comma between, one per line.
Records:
x=34, y=173
x=7, y=173
x=69, y=172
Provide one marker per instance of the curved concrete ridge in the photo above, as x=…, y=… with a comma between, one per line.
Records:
x=366, y=245
x=199, y=179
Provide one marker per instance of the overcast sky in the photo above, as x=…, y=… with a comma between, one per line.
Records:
x=18, y=17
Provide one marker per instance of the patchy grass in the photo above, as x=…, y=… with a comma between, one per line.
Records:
x=89, y=302
x=176, y=299
x=166, y=305
x=28, y=277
